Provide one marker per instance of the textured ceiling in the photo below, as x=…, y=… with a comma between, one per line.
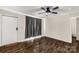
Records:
x=34, y=10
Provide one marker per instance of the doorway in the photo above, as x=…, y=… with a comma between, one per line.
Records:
x=73, y=29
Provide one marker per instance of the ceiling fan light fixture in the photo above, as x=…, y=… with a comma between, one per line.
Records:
x=49, y=10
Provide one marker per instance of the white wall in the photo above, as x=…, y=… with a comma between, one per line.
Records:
x=21, y=25
x=58, y=27
x=32, y=38
x=62, y=27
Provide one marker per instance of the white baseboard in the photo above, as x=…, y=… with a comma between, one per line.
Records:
x=31, y=38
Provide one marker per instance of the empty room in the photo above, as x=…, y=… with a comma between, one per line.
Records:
x=39, y=29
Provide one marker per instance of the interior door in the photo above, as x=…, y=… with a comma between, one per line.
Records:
x=77, y=28
x=0, y=30
x=9, y=32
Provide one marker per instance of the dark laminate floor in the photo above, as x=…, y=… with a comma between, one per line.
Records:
x=41, y=45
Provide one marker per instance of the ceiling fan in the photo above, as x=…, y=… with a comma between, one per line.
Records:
x=49, y=9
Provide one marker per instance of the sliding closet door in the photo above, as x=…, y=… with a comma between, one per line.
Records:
x=9, y=32
x=33, y=27
x=0, y=30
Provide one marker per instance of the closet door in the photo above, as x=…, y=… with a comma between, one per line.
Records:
x=9, y=30
x=0, y=30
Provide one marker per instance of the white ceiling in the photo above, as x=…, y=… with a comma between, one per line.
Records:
x=34, y=10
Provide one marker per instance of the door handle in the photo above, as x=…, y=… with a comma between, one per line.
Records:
x=17, y=28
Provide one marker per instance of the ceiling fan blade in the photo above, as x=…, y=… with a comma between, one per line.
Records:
x=42, y=8
x=55, y=8
x=54, y=12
